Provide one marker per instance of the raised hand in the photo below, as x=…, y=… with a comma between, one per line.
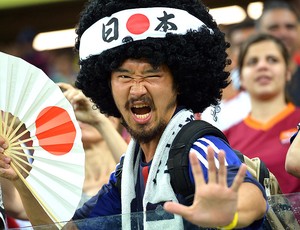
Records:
x=85, y=113
x=6, y=171
x=215, y=204
x=82, y=105
x=12, y=135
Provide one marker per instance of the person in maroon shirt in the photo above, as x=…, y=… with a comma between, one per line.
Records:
x=266, y=131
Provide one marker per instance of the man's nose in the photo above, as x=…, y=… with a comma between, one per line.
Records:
x=138, y=88
x=282, y=32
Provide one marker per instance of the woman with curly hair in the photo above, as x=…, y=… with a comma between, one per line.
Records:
x=153, y=64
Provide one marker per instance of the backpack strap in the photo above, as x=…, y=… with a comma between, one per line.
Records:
x=255, y=166
x=178, y=161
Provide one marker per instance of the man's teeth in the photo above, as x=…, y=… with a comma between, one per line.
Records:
x=140, y=106
x=142, y=116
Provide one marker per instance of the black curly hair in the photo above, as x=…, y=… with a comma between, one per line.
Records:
x=196, y=59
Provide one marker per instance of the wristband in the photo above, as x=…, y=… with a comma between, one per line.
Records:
x=233, y=223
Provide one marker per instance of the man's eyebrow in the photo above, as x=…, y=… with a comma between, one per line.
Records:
x=152, y=70
x=121, y=70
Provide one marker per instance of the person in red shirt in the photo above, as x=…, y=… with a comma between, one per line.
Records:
x=280, y=18
x=266, y=131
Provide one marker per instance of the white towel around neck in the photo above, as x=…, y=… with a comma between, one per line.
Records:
x=160, y=190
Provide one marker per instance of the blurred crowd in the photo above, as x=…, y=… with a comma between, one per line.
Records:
x=61, y=65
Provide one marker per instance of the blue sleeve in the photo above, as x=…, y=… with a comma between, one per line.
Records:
x=233, y=163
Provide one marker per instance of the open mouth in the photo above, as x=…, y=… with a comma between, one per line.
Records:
x=263, y=79
x=141, y=111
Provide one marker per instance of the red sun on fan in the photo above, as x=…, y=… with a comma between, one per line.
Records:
x=55, y=130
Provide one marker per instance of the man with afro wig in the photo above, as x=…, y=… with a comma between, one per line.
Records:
x=153, y=64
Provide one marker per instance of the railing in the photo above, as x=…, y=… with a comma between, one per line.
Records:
x=284, y=208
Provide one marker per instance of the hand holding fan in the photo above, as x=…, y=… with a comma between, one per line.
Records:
x=36, y=118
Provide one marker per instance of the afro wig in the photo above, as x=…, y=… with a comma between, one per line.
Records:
x=196, y=59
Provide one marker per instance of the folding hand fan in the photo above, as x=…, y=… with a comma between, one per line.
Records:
x=36, y=118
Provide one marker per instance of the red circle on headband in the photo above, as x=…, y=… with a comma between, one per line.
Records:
x=138, y=24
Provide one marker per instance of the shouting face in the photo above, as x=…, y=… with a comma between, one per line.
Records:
x=146, y=98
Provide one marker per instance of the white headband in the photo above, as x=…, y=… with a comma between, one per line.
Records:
x=135, y=24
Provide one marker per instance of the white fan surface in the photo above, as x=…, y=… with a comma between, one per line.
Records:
x=55, y=180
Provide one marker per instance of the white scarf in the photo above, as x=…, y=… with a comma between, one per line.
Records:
x=160, y=190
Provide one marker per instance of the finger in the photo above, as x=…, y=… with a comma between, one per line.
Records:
x=79, y=96
x=196, y=169
x=178, y=209
x=222, y=175
x=2, y=140
x=3, y=144
x=239, y=178
x=2, y=149
x=76, y=98
x=64, y=86
x=212, y=171
x=5, y=161
x=70, y=94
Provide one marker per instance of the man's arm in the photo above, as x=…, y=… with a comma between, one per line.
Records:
x=12, y=201
x=249, y=194
x=36, y=214
x=84, y=112
x=292, y=161
x=215, y=204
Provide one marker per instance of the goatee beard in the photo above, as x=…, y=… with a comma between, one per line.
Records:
x=143, y=135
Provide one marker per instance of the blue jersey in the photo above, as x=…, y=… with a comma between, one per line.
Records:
x=108, y=200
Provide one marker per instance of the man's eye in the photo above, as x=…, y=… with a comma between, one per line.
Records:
x=152, y=76
x=124, y=78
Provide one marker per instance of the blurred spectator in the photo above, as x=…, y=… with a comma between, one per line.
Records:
x=266, y=131
x=297, y=57
x=103, y=144
x=237, y=34
x=25, y=50
x=235, y=103
x=297, y=53
x=63, y=66
x=280, y=19
x=100, y=161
